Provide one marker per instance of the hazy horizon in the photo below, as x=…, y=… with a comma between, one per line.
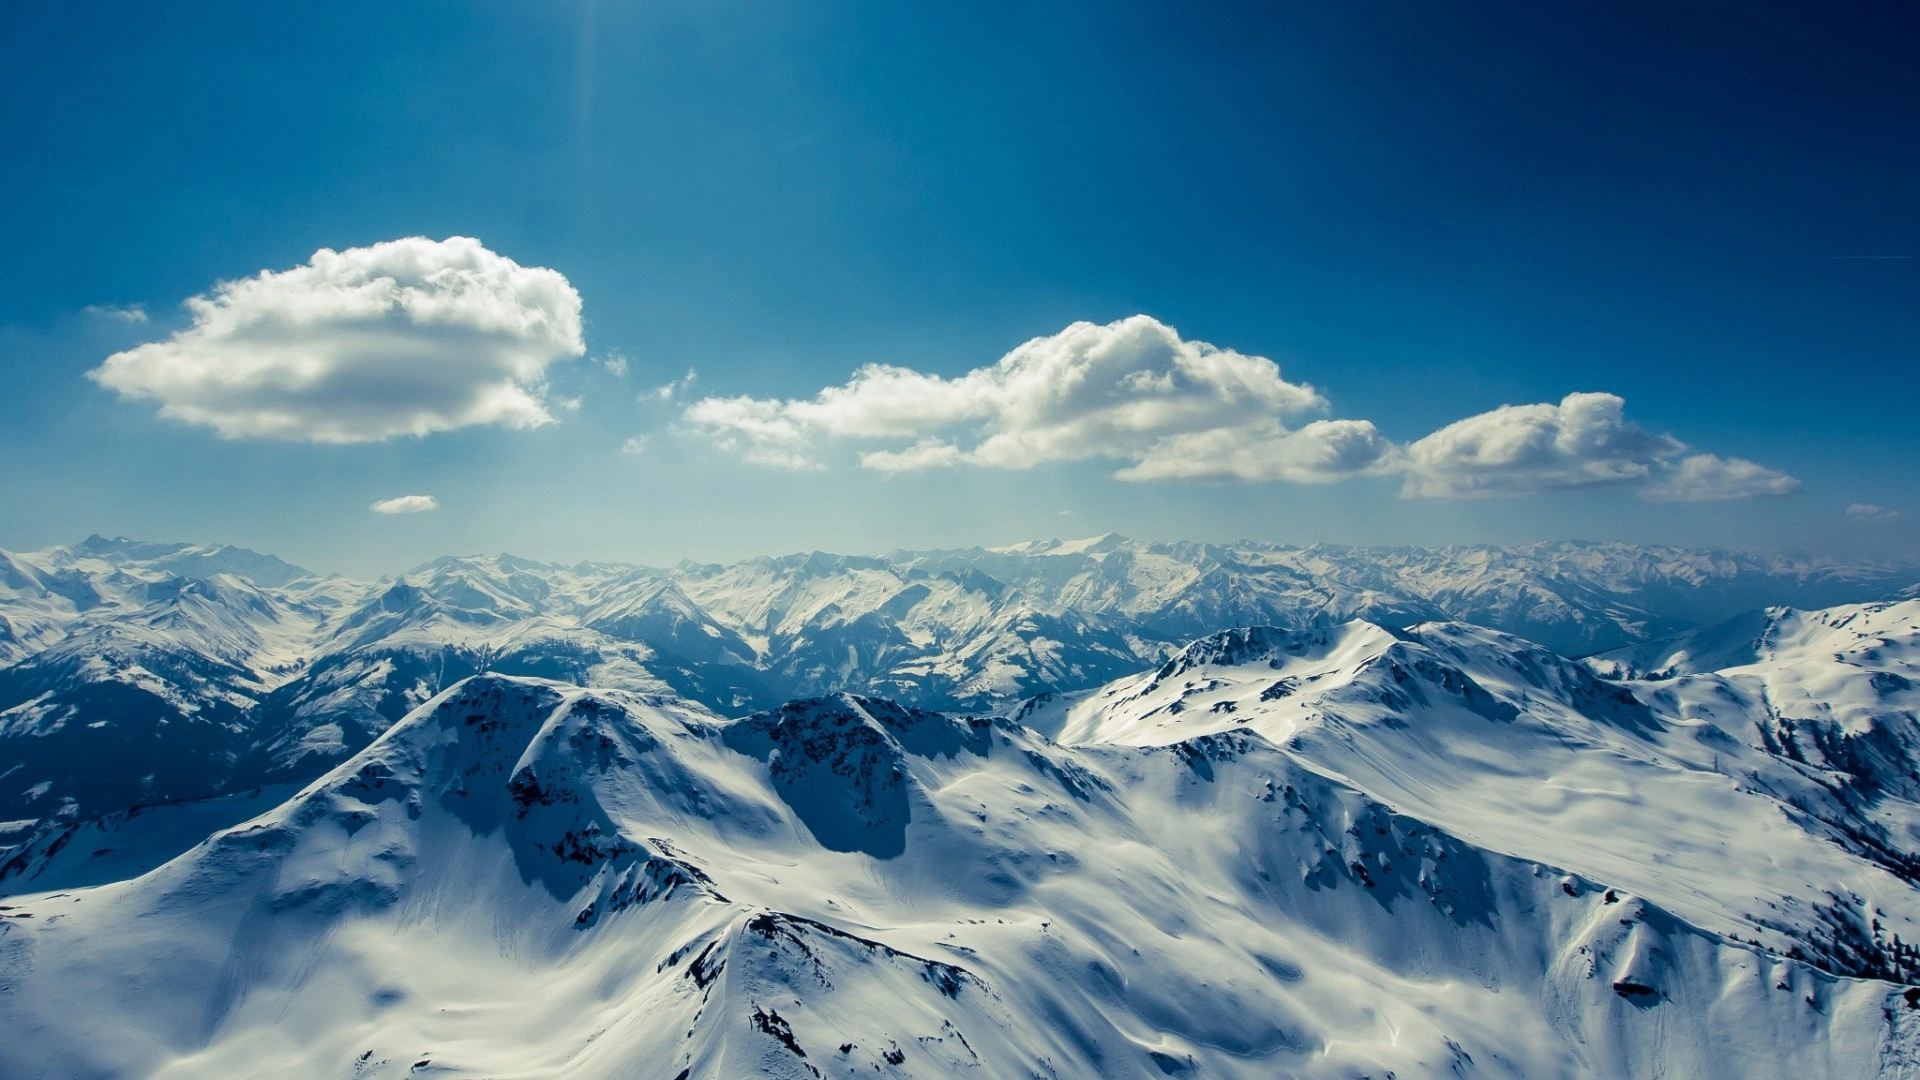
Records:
x=562, y=560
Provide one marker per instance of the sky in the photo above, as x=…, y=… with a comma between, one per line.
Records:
x=364, y=284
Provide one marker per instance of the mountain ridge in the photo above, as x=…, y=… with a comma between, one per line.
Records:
x=529, y=878
x=273, y=683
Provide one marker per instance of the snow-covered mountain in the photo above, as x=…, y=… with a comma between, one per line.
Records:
x=528, y=879
x=494, y=819
x=1777, y=801
x=134, y=673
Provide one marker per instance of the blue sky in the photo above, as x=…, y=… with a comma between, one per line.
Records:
x=1422, y=212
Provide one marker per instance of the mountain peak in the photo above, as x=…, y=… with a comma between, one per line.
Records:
x=1091, y=545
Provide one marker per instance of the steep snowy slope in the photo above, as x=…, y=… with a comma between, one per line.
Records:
x=149, y=701
x=523, y=879
x=1834, y=690
x=1682, y=792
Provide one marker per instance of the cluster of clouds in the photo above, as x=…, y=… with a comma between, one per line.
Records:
x=416, y=336
x=1161, y=407
x=407, y=337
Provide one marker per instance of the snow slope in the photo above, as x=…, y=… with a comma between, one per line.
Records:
x=1694, y=792
x=254, y=821
x=527, y=879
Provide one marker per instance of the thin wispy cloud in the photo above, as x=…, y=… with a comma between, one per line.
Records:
x=1161, y=407
x=1712, y=478
x=1873, y=514
x=133, y=314
x=407, y=337
x=676, y=389
x=406, y=504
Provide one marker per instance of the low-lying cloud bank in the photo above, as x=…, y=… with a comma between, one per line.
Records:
x=406, y=337
x=1165, y=408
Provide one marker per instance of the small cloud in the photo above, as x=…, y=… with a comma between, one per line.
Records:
x=1066, y=513
x=1871, y=514
x=569, y=404
x=616, y=364
x=925, y=454
x=406, y=504
x=673, y=389
x=635, y=445
x=126, y=313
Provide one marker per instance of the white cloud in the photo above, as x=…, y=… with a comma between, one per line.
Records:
x=1318, y=453
x=636, y=444
x=616, y=364
x=925, y=454
x=1711, y=478
x=406, y=337
x=406, y=504
x=674, y=389
x=1132, y=391
x=1584, y=441
x=1581, y=442
x=1872, y=514
x=126, y=313
x=1164, y=408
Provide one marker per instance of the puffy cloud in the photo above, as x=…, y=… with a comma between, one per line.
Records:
x=1165, y=408
x=1584, y=441
x=406, y=504
x=1132, y=391
x=1581, y=442
x=1872, y=514
x=635, y=444
x=1711, y=478
x=406, y=337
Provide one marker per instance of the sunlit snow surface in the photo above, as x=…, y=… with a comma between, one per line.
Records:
x=136, y=673
x=1344, y=849
x=1544, y=877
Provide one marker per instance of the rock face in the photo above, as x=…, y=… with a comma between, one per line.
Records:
x=526, y=878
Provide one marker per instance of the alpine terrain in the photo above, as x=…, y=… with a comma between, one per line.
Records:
x=1069, y=809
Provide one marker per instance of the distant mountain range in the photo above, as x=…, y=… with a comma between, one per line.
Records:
x=140, y=672
x=499, y=818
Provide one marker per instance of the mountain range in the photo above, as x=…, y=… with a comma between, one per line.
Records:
x=1068, y=809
